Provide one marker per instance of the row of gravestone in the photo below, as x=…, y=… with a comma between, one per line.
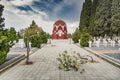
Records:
x=105, y=42
x=20, y=44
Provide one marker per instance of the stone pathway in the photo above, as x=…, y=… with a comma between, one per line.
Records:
x=45, y=66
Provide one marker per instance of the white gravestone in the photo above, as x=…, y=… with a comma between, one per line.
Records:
x=109, y=40
x=113, y=43
x=105, y=43
x=97, y=43
x=90, y=43
x=94, y=40
x=99, y=39
x=118, y=42
x=104, y=39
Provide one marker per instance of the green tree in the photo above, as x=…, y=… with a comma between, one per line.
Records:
x=7, y=36
x=85, y=15
x=115, y=19
x=76, y=36
x=102, y=17
x=85, y=38
x=1, y=18
x=36, y=41
x=4, y=47
x=36, y=36
x=27, y=37
x=92, y=27
x=44, y=37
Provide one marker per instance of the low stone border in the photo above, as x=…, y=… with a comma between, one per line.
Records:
x=10, y=63
x=104, y=57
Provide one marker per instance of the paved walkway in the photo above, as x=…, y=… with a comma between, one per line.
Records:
x=45, y=66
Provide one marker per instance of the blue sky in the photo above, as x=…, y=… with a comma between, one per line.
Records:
x=20, y=13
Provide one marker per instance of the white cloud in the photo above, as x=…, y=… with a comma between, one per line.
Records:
x=22, y=19
x=20, y=2
x=72, y=26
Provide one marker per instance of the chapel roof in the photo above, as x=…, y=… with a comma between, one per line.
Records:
x=60, y=22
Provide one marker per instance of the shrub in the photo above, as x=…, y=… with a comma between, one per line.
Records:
x=36, y=41
x=44, y=37
x=7, y=37
x=3, y=55
x=68, y=62
x=85, y=38
x=76, y=37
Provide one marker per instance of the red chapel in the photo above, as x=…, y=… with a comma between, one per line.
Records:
x=59, y=30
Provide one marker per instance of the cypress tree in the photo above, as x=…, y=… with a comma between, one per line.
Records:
x=1, y=18
x=103, y=16
x=92, y=28
x=85, y=15
x=100, y=17
x=115, y=19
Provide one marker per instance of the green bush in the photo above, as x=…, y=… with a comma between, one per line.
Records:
x=85, y=38
x=44, y=37
x=76, y=37
x=36, y=41
x=3, y=55
x=39, y=39
x=7, y=37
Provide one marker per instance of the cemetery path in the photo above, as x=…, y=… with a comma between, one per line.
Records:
x=45, y=66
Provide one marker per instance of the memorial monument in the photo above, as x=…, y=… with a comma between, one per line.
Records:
x=59, y=30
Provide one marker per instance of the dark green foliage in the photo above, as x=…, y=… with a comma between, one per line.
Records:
x=4, y=46
x=7, y=36
x=19, y=36
x=39, y=39
x=33, y=23
x=36, y=41
x=104, y=17
x=44, y=37
x=1, y=19
x=85, y=38
x=92, y=26
x=3, y=55
x=11, y=35
x=76, y=36
x=115, y=19
x=36, y=35
x=85, y=15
